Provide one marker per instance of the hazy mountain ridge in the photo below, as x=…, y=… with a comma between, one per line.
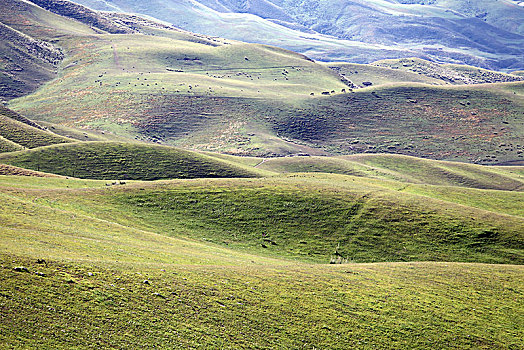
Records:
x=482, y=33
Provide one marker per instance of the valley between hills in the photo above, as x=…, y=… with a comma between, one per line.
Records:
x=166, y=189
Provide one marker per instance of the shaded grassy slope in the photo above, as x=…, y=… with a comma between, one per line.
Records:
x=113, y=160
x=309, y=219
x=474, y=124
x=21, y=133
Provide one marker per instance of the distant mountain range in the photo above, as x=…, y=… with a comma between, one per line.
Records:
x=483, y=33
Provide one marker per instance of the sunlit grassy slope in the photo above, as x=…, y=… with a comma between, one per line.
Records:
x=403, y=168
x=181, y=264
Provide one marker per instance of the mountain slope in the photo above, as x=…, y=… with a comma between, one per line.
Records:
x=207, y=93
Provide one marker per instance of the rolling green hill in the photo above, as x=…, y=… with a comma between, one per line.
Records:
x=125, y=161
x=17, y=133
x=403, y=168
x=224, y=263
x=309, y=216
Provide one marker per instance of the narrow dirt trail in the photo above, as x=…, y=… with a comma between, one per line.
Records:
x=115, y=56
x=262, y=162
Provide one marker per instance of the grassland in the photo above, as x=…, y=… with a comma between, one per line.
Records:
x=403, y=168
x=124, y=161
x=17, y=133
x=13, y=170
x=137, y=266
x=235, y=253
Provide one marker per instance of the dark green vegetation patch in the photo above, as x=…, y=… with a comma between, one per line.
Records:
x=307, y=221
x=126, y=161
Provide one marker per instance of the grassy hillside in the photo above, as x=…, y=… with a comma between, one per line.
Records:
x=402, y=168
x=212, y=94
x=29, y=58
x=9, y=146
x=249, y=112
x=112, y=160
x=20, y=133
x=118, y=261
x=308, y=216
x=426, y=171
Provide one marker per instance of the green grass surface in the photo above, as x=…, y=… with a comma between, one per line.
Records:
x=89, y=250
x=26, y=136
x=114, y=160
x=388, y=306
x=404, y=169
